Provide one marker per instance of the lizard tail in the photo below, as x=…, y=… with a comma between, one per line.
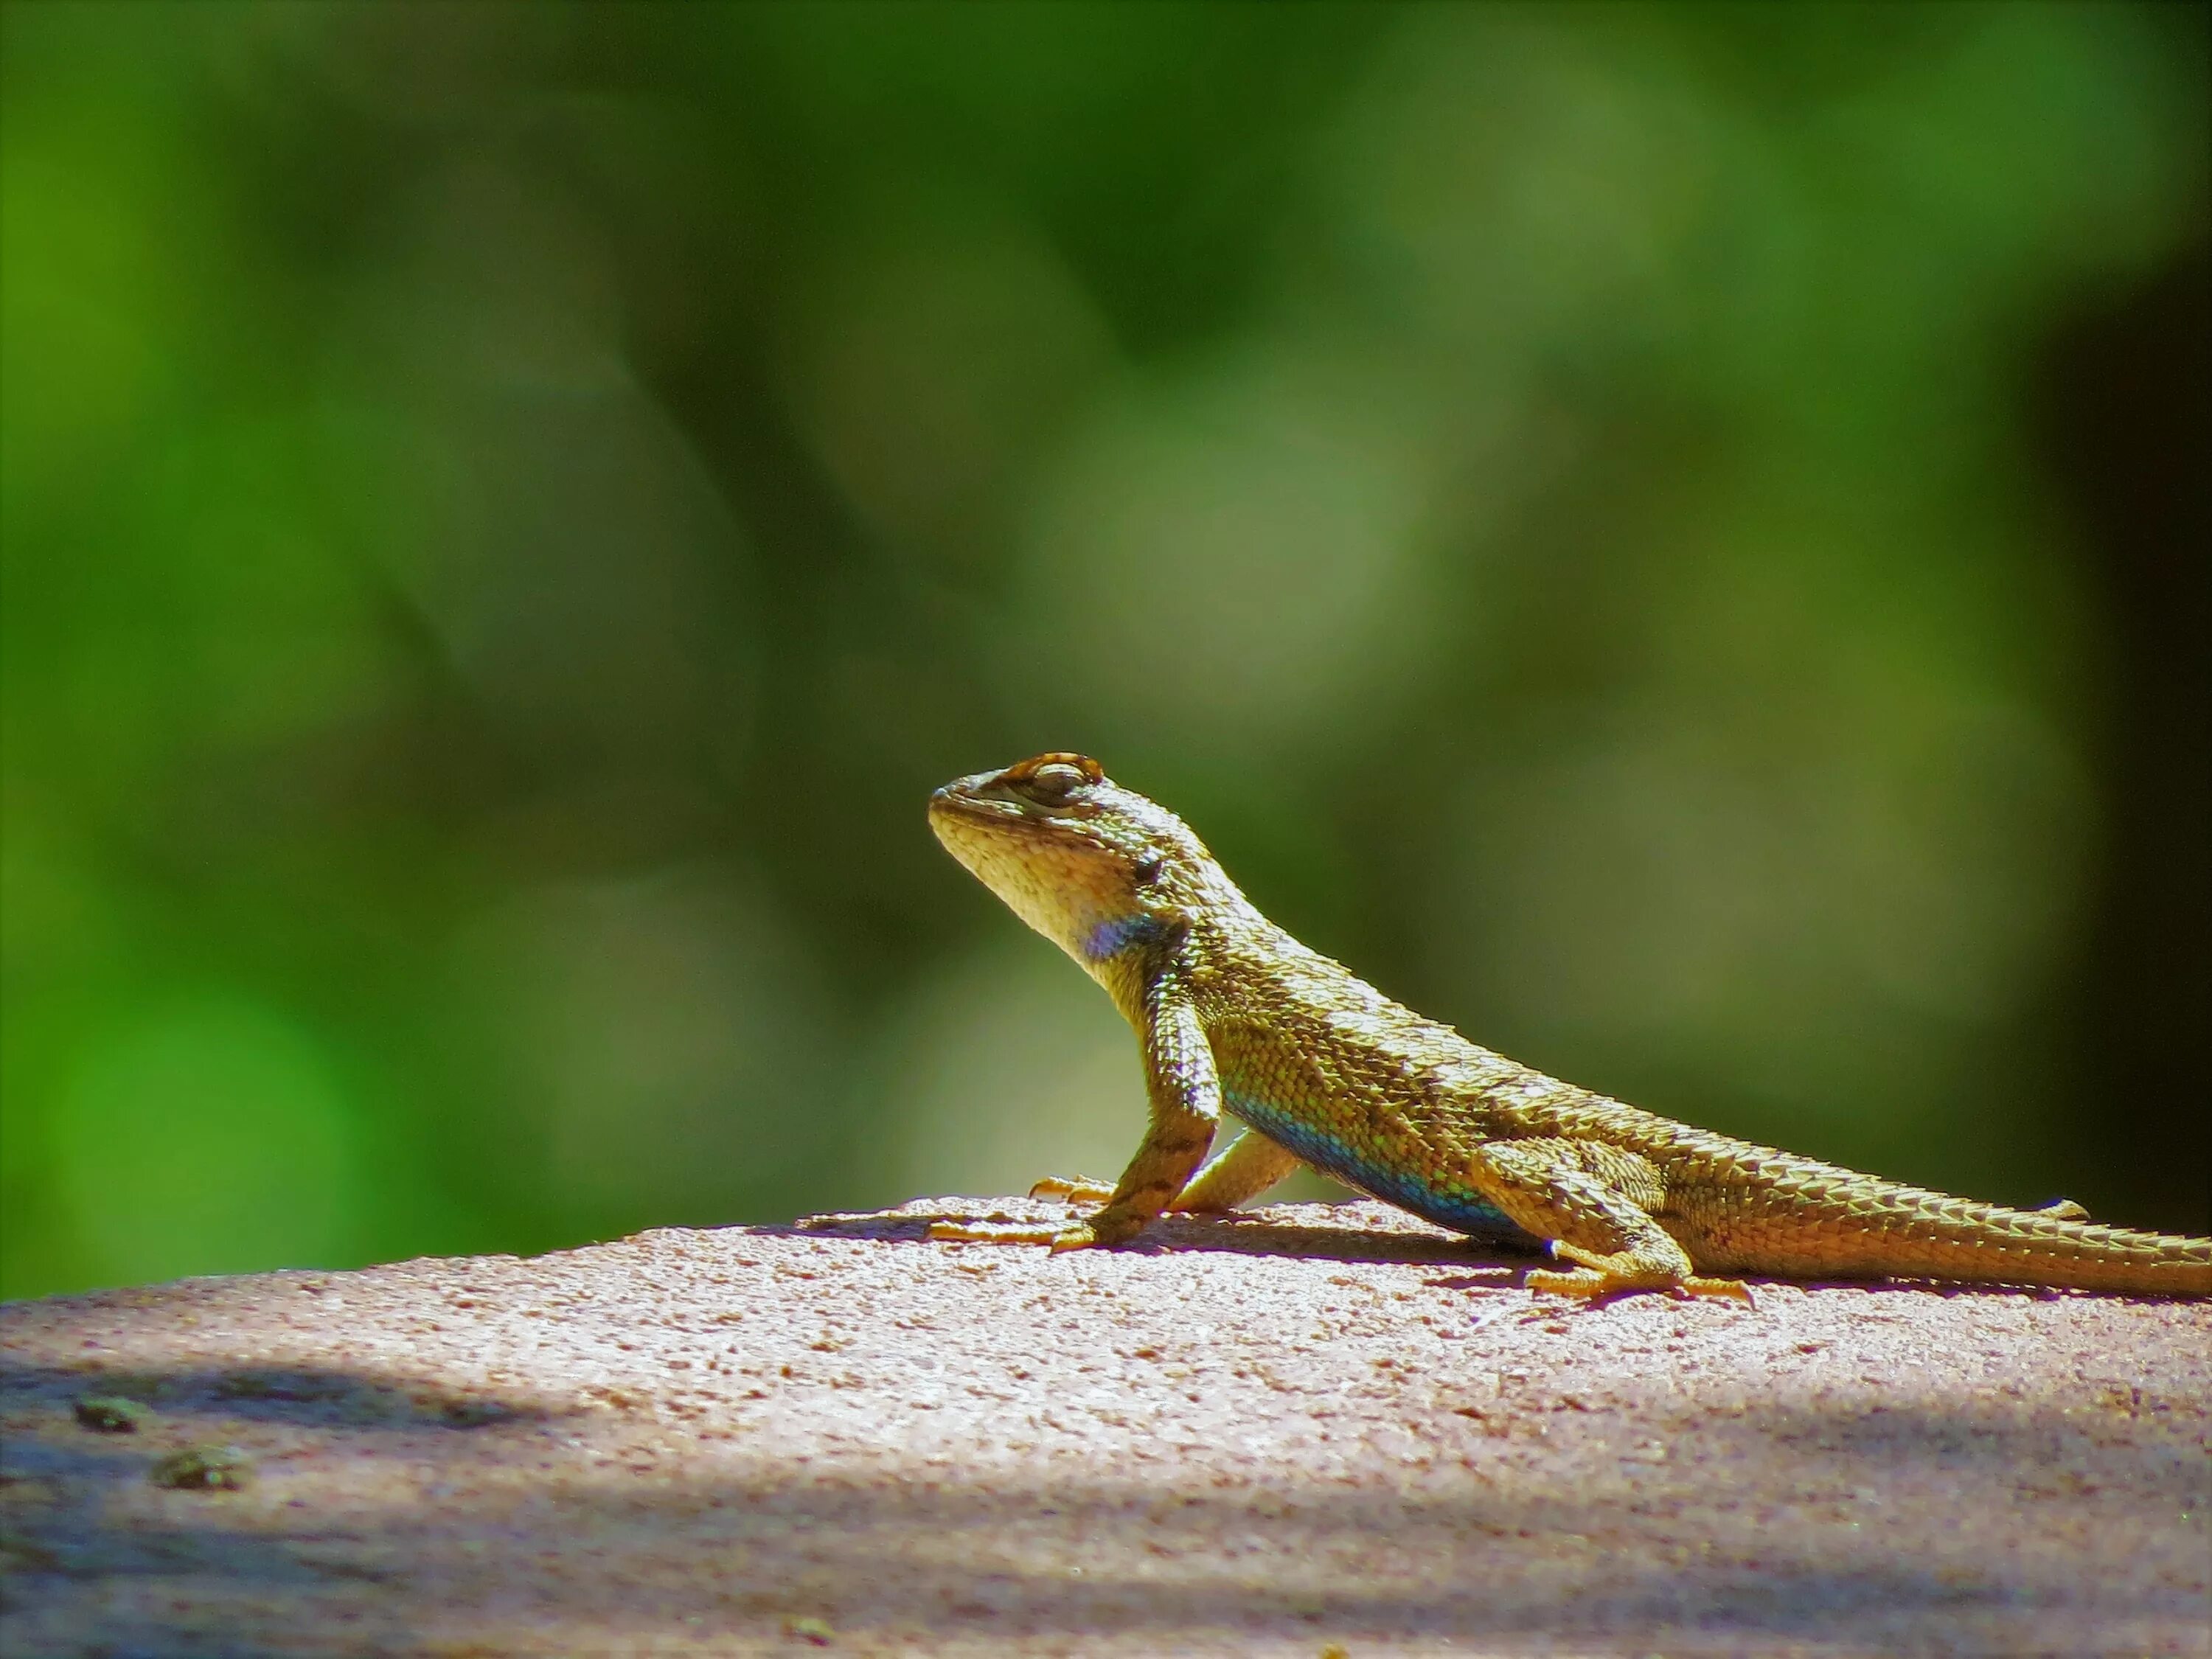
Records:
x=2085, y=1256
x=1904, y=1233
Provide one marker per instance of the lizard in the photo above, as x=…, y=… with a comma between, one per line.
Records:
x=1234, y=1017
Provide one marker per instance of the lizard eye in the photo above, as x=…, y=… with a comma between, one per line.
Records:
x=1052, y=785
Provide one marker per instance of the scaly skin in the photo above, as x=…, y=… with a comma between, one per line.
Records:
x=1234, y=1015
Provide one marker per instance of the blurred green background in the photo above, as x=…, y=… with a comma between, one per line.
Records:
x=1672, y=539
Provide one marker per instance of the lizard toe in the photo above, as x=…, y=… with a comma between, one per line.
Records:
x=1577, y=1284
x=1729, y=1290
x=1077, y=1189
x=993, y=1232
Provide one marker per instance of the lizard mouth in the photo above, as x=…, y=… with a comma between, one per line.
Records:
x=957, y=799
x=968, y=823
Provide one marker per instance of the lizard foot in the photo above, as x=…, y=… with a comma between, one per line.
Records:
x=1597, y=1274
x=1015, y=1232
x=1076, y=1191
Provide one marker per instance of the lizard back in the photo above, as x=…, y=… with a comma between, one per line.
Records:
x=1394, y=1104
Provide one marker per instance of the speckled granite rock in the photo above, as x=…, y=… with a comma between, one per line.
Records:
x=1317, y=1426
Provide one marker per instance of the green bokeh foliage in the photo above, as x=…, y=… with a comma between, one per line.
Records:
x=508, y=509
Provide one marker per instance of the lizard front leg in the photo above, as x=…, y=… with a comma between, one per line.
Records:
x=1594, y=1203
x=1186, y=1104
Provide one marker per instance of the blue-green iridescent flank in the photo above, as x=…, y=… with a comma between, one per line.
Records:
x=1460, y=1210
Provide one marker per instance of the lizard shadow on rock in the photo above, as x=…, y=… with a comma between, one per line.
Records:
x=1239, y=1233
x=1947, y=1290
x=738, y=1550
x=1489, y=1264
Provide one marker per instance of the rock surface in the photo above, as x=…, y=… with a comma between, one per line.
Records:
x=1308, y=1428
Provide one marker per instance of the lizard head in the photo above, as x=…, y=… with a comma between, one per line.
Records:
x=1096, y=868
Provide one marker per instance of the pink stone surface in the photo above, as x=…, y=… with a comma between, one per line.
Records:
x=1313, y=1426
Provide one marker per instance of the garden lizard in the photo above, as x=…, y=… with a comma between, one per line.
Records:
x=1234, y=1016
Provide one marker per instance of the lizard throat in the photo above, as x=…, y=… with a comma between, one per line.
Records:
x=1115, y=935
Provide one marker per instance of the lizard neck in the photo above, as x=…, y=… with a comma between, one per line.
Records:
x=1189, y=929
x=1212, y=952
